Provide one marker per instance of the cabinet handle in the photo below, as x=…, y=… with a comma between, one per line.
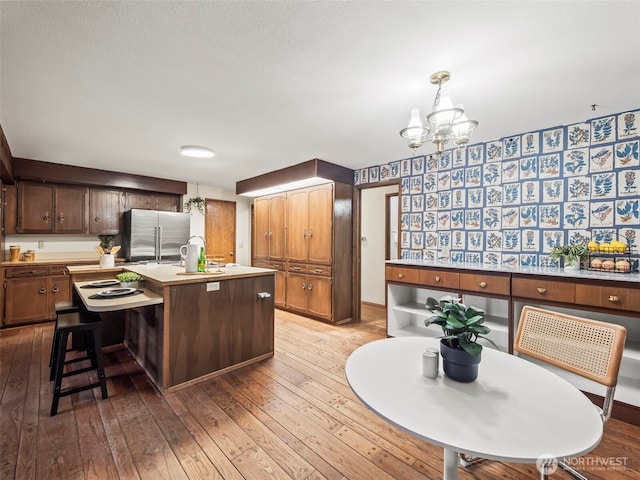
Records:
x=319, y=270
x=304, y=232
x=401, y=275
x=55, y=290
x=296, y=269
x=271, y=234
x=437, y=279
x=46, y=217
x=266, y=234
x=309, y=287
x=482, y=284
x=304, y=285
x=310, y=233
x=97, y=219
x=614, y=298
x=42, y=291
x=61, y=217
x=541, y=290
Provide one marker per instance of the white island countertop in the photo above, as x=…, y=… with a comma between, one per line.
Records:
x=174, y=275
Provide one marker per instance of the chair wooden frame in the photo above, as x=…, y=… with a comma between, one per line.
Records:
x=589, y=348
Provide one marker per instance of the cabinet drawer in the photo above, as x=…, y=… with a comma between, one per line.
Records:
x=438, y=278
x=310, y=269
x=403, y=274
x=543, y=289
x=58, y=270
x=618, y=298
x=280, y=266
x=483, y=283
x=34, y=271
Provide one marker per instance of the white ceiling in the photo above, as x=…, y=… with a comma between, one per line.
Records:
x=122, y=85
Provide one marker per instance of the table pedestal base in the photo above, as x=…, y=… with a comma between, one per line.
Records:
x=450, y=464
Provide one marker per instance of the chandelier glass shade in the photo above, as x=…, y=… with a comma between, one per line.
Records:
x=445, y=122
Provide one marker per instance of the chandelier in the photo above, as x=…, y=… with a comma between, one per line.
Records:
x=445, y=122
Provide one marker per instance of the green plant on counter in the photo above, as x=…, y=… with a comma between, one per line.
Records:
x=572, y=253
x=195, y=202
x=461, y=325
x=106, y=242
x=125, y=277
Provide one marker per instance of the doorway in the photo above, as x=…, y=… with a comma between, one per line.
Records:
x=377, y=241
x=220, y=229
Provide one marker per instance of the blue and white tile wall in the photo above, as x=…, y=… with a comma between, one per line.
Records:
x=510, y=201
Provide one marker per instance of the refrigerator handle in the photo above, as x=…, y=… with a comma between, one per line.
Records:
x=158, y=242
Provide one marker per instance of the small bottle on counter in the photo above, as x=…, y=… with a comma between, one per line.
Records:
x=430, y=363
x=202, y=261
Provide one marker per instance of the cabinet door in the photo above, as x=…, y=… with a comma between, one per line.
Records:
x=320, y=229
x=166, y=203
x=319, y=296
x=297, y=224
x=261, y=227
x=71, y=209
x=60, y=291
x=35, y=208
x=280, y=290
x=277, y=235
x=10, y=212
x=139, y=200
x=105, y=211
x=26, y=300
x=297, y=292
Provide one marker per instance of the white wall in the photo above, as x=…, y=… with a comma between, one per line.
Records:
x=81, y=246
x=372, y=231
x=243, y=217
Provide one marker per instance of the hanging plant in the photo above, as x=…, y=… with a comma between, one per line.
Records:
x=195, y=202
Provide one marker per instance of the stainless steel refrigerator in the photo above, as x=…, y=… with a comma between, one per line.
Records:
x=154, y=235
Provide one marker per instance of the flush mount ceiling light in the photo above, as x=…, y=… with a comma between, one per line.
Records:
x=445, y=122
x=196, y=151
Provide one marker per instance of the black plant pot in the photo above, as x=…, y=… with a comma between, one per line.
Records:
x=459, y=365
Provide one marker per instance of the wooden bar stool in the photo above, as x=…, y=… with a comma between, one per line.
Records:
x=67, y=323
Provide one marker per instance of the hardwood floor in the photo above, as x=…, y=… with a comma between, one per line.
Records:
x=289, y=417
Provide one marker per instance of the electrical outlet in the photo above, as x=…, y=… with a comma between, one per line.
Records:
x=213, y=286
x=40, y=243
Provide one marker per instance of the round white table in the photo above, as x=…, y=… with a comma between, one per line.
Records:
x=515, y=411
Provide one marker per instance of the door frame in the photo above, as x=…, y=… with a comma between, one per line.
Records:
x=357, y=250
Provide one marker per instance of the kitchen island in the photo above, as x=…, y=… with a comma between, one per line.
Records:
x=207, y=324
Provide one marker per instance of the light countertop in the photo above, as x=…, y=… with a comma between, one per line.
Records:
x=172, y=274
x=94, y=303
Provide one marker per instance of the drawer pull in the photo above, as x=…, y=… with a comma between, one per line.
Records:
x=401, y=275
x=319, y=270
x=43, y=291
x=482, y=284
x=61, y=217
x=296, y=269
x=437, y=279
x=55, y=290
x=541, y=290
x=614, y=298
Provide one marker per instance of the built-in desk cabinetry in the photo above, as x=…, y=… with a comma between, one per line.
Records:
x=503, y=293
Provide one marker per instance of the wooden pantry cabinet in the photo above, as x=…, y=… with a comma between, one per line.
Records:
x=31, y=293
x=152, y=201
x=48, y=208
x=269, y=232
x=310, y=229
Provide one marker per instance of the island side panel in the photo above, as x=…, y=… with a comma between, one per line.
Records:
x=213, y=330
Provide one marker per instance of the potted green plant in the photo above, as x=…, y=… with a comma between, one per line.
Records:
x=106, y=243
x=573, y=254
x=462, y=327
x=195, y=202
x=128, y=279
